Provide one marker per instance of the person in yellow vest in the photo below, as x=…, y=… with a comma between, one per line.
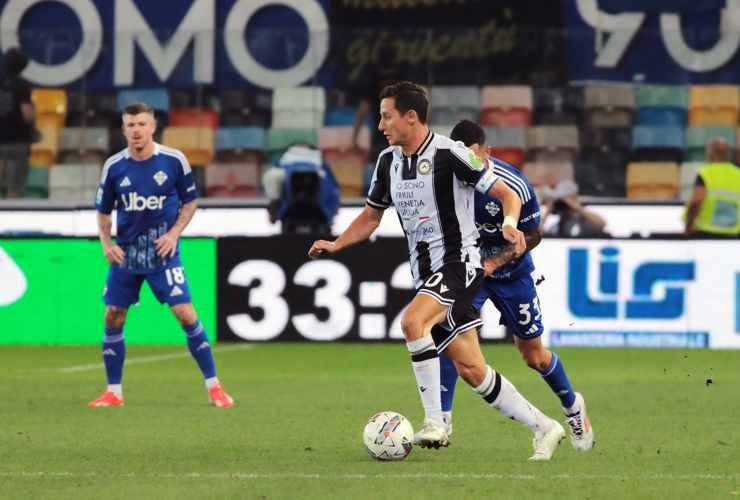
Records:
x=714, y=208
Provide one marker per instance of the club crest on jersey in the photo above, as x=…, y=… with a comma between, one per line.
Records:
x=475, y=162
x=160, y=178
x=492, y=208
x=424, y=167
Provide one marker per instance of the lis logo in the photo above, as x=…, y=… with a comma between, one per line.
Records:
x=646, y=302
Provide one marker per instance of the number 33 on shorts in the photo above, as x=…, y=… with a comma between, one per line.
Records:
x=530, y=318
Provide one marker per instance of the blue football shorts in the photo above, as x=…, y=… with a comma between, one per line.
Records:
x=170, y=285
x=517, y=302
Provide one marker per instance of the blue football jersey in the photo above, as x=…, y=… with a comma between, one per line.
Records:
x=489, y=216
x=147, y=196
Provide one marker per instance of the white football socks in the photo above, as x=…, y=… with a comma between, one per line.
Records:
x=501, y=394
x=116, y=389
x=425, y=362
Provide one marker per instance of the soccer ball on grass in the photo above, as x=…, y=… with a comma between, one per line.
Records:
x=388, y=436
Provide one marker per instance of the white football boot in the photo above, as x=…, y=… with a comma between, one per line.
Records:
x=581, y=432
x=546, y=442
x=432, y=435
x=447, y=419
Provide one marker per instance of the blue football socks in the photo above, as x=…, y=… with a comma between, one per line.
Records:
x=557, y=379
x=448, y=380
x=114, y=354
x=200, y=348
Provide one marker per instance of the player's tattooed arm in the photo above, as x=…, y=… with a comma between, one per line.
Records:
x=166, y=244
x=532, y=238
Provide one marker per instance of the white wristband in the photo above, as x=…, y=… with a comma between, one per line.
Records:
x=509, y=221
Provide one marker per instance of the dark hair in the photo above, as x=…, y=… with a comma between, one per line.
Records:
x=137, y=108
x=14, y=62
x=469, y=133
x=408, y=96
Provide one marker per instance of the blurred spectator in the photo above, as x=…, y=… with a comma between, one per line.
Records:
x=574, y=219
x=303, y=192
x=714, y=207
x=17, y=130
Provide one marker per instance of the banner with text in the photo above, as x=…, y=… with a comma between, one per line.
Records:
x=268, y=289
x=105, y=44
x=685, y=42
x=100, y=44
x=640, y=293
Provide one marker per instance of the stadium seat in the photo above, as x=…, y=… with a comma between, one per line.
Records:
x=697, y=138
x=507, y=144
x=37, y=183
x=197, y=143
x=245, y=108
x=609, y=105
x=44, y=152
x=553, y=142
x=657, y=96
x=601, y=171
x=51, y=107
x=656, y=144
x=74, y=182
x=652, y=181
x=349, y=169
x=78, y=105
x=506, y=106
x=454, y=103
x=278, y=140
x=662, y=105
x=689, y=170
x=713, y=105
x=240, y=144
x=157, y=99
x=181, y=99
x=340, y=138
x=83, y=145
x=194, y=117
x=544, y=173
x=605, y=138
x=557, y=105
x=340, y=116
x=298, y=107
x=232, y=181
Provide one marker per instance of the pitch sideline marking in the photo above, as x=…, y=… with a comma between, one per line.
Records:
x=151, y=359
x=363, y=477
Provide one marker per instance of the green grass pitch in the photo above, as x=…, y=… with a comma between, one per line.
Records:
x=666, y=425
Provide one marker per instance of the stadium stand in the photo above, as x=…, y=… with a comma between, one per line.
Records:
x=506, y=106
x=298, y=107
x=662, y=105
x=652, y=181
x=609, y=105
x=713, y=105
x=51, y=107
x=697, y=138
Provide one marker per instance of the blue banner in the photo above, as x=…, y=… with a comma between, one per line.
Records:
x=654, y=46
x=102, y=44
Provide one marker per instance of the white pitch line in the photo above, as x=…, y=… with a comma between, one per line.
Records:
x=364, y=477
x=151, y=359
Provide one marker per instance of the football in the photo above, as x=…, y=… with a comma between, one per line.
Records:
x=388, y=436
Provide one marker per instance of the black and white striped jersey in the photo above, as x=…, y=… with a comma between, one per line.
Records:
x=433, y=193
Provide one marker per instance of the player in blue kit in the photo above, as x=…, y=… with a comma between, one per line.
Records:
x=151, y=186
x=509, y=285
